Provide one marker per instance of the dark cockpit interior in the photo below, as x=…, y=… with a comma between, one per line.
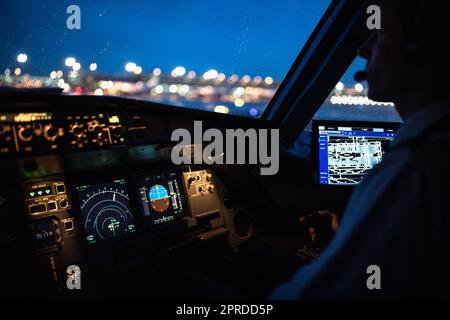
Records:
x=96, y=200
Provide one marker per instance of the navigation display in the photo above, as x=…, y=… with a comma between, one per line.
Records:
x=348, y=151
x=161, y=197
x=105, y=208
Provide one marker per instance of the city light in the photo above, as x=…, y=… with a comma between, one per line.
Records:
x=159, y=89
x=253, y=112
x=233, y=79
x=98, y=92
x=339, y=86
x=239, y=92
x=76, y=66
x=178, y=72
x=246, y=79
x=191, y=74
x=257, y=80
x=268, y=81
x=210, y=74
x=157, y=72
x=59, y=74
x=93, y=66
x=22, y=58
x=53, y=75
x=239, y=102
x=138, y=70
x=221, y=77
x=17, y=72
x=73, y=74
x=359, y=87
x=70, y=61
x=221, y=109
x=130, y=67
x=173, y=88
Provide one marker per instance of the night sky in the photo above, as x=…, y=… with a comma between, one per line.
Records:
x=254, y=37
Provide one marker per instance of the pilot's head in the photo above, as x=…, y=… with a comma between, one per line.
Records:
x=407, y=58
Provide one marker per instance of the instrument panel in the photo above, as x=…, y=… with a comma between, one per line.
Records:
x=119, y=207
x=47, y=133
x=161, y=197
x=105, y=210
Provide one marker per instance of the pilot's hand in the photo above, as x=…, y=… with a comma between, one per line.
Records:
x=333, y=216
x=324, y=213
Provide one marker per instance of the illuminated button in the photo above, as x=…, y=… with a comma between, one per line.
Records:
x=68, y=225
x=60, y=188
x=37, y=208
x=51, y=205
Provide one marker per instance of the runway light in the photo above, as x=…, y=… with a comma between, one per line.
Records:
x=93, y=66
x=17, y=72
x=70, y=61
x=221, y=109
x=22, y=58
x=76, y=66
x=130, y=67
x=98, y=92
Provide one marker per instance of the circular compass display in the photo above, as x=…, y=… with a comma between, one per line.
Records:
x=106, y=210
x=159, y=198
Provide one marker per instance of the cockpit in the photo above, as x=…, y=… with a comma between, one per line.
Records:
x=144, y=142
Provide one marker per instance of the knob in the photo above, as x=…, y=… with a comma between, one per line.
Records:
x=50, y=133
x=2, y=129
x=63, y=203
x=77, y=130
x=208, y=177
x=211, y=188
x=25, y=134
x=97, y=130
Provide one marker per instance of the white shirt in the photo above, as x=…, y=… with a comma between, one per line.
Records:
x=396, y=220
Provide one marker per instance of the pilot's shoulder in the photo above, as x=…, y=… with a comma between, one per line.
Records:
x=432, y=158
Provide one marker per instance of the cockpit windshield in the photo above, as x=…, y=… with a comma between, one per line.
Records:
x=223, y=56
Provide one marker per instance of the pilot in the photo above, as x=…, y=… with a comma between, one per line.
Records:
x=393, y=240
